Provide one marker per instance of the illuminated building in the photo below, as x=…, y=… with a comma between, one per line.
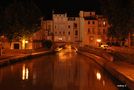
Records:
x=65, y=29
x=93, y=27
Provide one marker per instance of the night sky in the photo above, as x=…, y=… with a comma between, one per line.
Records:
x=72, y=7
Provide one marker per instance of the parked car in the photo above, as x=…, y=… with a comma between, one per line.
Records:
x=104, y=46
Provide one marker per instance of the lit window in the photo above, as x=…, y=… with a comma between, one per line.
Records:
x=60, y=38
x=104, y=23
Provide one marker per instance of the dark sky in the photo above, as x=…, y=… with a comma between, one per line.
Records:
x=72, y=7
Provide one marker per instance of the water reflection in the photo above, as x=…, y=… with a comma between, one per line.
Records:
x=78, y=74
x=34, y=78
x=63, y=55
x=64, y=71
x=103, y=82
x=1, y=75
x=98, y=75
x=25, y=72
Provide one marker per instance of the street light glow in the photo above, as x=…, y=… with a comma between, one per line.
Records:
x=98, y=75
x=26, y=41
x=25, y=73
x=98, y=40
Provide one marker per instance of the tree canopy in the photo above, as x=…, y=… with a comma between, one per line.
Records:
x=120, y=15
x=20, y=19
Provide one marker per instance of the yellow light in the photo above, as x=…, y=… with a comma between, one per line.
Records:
x=60, y=38
x=62, y=57
x=26, y=41
x=98, y=40
x=25, y=72
x=104, y=23
x=98, y=75
x=23, y=43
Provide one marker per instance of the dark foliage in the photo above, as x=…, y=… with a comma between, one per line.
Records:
x=120, y=16
x=20, y=19
x=47, y=44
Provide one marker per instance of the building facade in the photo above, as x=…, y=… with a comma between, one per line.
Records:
x=94, y=28
x=73, y=32
x=62, y=29
x=87, y=29
x=83, y=30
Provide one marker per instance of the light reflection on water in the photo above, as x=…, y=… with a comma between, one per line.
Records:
x=98, y=75
x=1, y=75
x=64, y=55
x=64, y=71
x=25, y=72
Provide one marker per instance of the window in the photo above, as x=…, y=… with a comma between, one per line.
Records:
x=68, y=33
x=88, y=22
x=75, y=25
x=63, y=33
x=93, y=30
x=76, y=32
x=88, y=30
x=68, y=26
x=104, y=23
x=93, y=22
x=104, y=31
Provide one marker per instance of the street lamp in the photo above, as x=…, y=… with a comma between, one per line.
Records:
x=26, y=41
x=99, y=42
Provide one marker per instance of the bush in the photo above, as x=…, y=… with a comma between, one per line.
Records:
x=47, y=44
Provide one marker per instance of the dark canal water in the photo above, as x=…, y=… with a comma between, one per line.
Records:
x=66, y=70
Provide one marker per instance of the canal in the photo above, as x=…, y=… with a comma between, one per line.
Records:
x=66, y=70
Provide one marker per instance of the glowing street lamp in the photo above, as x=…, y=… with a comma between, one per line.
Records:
x=98, y=40
x=26, y=41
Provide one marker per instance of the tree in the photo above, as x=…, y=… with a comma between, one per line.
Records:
x=21, y=19
x=47, y=44
x=120, y=16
